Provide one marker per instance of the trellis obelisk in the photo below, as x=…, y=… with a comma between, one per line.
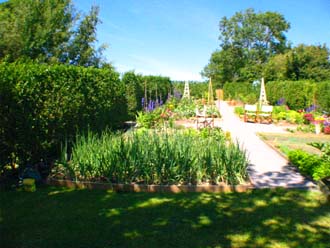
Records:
x=186, y=92
x=262, y=97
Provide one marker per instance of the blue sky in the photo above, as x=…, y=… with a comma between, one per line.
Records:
x=175, y=38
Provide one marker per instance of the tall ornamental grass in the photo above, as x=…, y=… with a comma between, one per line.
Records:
x=150, y=157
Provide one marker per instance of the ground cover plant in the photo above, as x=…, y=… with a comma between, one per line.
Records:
x=59, y=217
x=316, y=166
x=155, y=157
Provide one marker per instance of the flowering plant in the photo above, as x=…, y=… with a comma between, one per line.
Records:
x=319, y=120
x=308, y=118
x=326, y=127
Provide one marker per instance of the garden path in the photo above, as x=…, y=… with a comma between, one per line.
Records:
x=267, y=168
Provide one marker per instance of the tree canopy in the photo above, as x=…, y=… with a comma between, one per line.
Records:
x=254, y=45
x=247, y=41
x=49, y=31
x=301, y=62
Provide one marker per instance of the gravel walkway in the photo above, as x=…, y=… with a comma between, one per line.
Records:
x=267, y=169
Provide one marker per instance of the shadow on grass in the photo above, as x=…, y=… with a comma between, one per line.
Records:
x=57, y=217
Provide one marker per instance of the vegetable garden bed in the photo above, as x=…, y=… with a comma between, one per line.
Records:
x=149, y=157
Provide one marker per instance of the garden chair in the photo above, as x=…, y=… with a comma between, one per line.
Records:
x=250, y=112
x=265, y=113
x=203, y=120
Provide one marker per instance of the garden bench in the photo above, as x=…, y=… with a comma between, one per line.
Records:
x=250, y=111
x=203, y=120
x=265, y=113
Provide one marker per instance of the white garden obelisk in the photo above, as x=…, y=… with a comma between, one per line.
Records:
x=186, y=92
x=262, y=97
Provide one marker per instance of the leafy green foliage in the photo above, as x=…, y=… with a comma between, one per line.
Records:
x=246, y=92
x=47, y=31
x=147, y=119
x=81, y=49
x=304, y=161
x=316, y=166
x=297, y=95
x=197, y=89
x=304, y=62
x=151, y=157
x=322, y=95
x=134, y=92
x=248, y=40
x=42, y=106
x=239, y=110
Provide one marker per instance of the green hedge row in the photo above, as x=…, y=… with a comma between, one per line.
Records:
x=197, y=89
x=296, y=94
x=244, y=91
x=150, y=88
x=42, y=106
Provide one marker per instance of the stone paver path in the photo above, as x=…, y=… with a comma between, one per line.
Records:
x=267, y=168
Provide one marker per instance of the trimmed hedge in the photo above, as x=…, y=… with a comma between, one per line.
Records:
x=157, y=89
x=296, y=94
x=42, y=106
x=243, y=91
x=323, y=95
x=197, y=89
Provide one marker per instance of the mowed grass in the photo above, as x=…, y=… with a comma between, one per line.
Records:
x=287, y=142
x=59, y=217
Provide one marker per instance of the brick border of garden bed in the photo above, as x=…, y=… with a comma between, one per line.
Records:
x=151, y=188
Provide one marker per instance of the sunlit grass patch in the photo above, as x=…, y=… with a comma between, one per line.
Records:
x=259, y=218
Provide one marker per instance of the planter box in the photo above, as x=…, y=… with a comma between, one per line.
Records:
x=151, y=188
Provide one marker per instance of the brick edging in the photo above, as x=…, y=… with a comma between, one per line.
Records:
x=151, y=188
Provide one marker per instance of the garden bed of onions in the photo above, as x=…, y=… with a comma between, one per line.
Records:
x=150, y=157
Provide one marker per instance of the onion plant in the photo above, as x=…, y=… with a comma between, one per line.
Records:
x=154, y=157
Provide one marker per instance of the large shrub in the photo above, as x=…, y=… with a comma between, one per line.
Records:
x=41, y=106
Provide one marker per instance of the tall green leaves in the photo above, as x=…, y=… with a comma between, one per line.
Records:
x=180, y=157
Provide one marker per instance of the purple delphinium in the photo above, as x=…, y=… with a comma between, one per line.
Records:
x=151, y=106
x=142, y=102
x=311, y=108
x=280, y=101
x=177, y=94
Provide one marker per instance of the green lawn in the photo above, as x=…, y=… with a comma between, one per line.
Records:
x=286, y=142
x=57, y=217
